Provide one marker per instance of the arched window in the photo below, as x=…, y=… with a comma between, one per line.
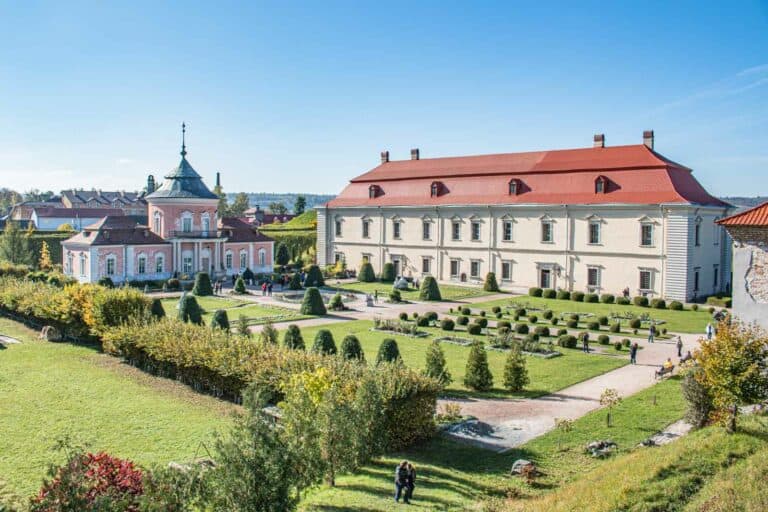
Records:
x=82, y=264
x=206, y=222
x=243, y=259
x=262, y=257
x=228, y=260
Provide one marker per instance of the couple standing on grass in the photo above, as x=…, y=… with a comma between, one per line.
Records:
x=405, y=481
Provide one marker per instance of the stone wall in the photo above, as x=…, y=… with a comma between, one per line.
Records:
x=750, y=274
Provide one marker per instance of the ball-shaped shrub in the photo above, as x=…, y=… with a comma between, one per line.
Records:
x=499, y=315
x=617, y=345
x=403, y=316
x=572, y=324
x=591, y=297
x=548, y=314
x=466, y=311
x=663, y=330
x=220, y=320
x=616, y=327
x=676, y=305
x=503, y=323
x=366, y=273
x=496, y=309
x=659, y=304
x=533, y=319
x=482, y=322
x=531, y=338
x=626, y=342
x=482, y=313
x=603, y=339
x=336, y=303
x=520, y=312
x=561, y=332
x=622, y=301
x=324, y=343
x=567, y=341
x=535, y=291
x=602, y=320
x=593, y=326
x=429, y=289
x=577, y=296
x=640, y=301
x=395, y=297
x=474, y=329
x=388, y=273
x=388, y=352
x=541, y=330
x=607, y=298
x=462, y=320
x=574, y=316
x=203, y=285
x=313, y=303
x=314, y=277
x=431, y=316
x=635, y=323
x=422, y=321
x=351, y=350
x=447, y=324
x=694, y=307
x=415, y=315
x=549, y=293
x=554, y=320
x=563, y=295
x=521, y=328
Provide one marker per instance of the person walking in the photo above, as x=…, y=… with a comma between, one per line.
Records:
x=585, y=342
x=633, y=353
x=710, y=330
x=375, y=296
x=269, y=288
x=410, y=483
x=401, y=482
x=679, y=347
x=651, y=332
x=264, y=288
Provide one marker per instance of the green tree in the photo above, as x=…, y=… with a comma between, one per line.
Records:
x=293, y=338
x=239, y=205
x=278, y=208
x=697, y=397
x=388, y=273
x=389, y=352
x=478, y=375
x=203, y=285
x=240, y=286
x=242, y=326
x=314, y=277
x=366, y=273
x=435, y=366
x=491, y=285
x=282, y=256
x=14, y=245
x=609, y=399
x=223, y=208
x=8, y=198
x=429, y=289
x=515, y=371
x=220, y=320
x=300, y=205
x=351, y=348
x=313, y=303
x=295, y=282
x=733, y=368
x=38, y=195
x=189, y=310
x=157, y=310
x=324, y=343
x=269, y=335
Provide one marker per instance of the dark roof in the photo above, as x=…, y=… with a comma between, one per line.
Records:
x=84, y=196
x=183, y=182
x=238, y=230
x=71, y=213
x=116, y=230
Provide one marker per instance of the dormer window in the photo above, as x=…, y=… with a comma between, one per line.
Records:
x=435, y=189
x=515, y=186
x=374, y=191
x=601, y=185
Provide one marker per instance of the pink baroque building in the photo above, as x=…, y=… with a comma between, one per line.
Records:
x=184, y=236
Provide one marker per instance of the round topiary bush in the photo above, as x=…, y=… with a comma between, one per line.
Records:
x=577, y=296
x=554, y=320
x=366, y=273
x=676, y=305
x=561, y=332
x=313, y=303
x=431, y=315
x=615, y=327
x=711, y=309
x=295, y=282
x=447, y=324
x=572, y=324
x=548, y=314
x=336, y=303
x=659, y=304
x=496, y=309
x=640, y=301
x=591, y=297
x=503, y=324
x=395, y=297
x=663, y=330
x=422, y=321
x=499, y=315
x=535, y=291
x=203, y=286
x=567, y=341
x=635, y=323
x=220, y=320
x=474, y=329
x=462, y=320
x=403, y=316
x=482, y=313
x=351, y=350
x=521, y=328
x=607, y=298
x=563, y=295
x=324, y=343
x=388, y=273
x=603, y=339
x=602, y=320
x=626, y=342
x=415, y=315
x=541, y=330
x=549, y=293
x=482, y=322
x=520, y=312
x=622, y=301
x=466, y=311
x=694, y=307
x=388, y=352
x=533, y=319
x=429, y=289
x=617, y=345
x=593, y=326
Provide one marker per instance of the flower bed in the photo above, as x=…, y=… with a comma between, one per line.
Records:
x=398, y=327
x=464, y=342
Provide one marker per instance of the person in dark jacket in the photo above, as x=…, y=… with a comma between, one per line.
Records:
x=410, y=483
x=679, y=346
x=651, y=333
x=585, y=342
x=633, y=353
x=401, y=482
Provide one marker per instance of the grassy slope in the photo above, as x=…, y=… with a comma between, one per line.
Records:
x=707, y=470
x=256, y=312
x=447, y=291
x=454, y=476
x=546, y=375
x=307, y=220
x=49, y=391
x=676, y=321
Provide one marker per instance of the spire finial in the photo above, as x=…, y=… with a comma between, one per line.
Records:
x=183, y=145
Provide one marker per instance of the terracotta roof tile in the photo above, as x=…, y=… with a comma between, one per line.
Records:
x=757, y=216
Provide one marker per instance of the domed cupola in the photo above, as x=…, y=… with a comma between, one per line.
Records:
x=183, y=182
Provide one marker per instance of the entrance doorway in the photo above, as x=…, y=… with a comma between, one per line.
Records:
x=545, y=278
x=206, y=264
x=398, y=267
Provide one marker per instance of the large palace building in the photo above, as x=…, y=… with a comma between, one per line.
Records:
x=597, y=219
x=184, y=236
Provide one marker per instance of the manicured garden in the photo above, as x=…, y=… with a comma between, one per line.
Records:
x=449, y=292
x=52, y=391
x=256, y=313
x=546, y=375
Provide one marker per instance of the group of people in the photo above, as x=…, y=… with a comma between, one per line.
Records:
x=405, y=481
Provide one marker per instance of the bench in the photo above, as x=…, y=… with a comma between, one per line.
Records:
x=664, y=371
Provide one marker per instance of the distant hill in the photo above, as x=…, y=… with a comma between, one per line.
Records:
x=263, y=199
x=745, y=202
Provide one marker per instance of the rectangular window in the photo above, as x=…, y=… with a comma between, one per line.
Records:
x=507, y=231
x=645, y=280
x=506, y=270
x=475, y=231
x=426, y=265
x=396, y=230
x=366, y=229
x=455, y=268
x=697, y=235
x=186, y=224
x=228, y=259
x=716, y=234
x=646, y=235
x=426, y=230
x=594, y=233
x=82, y=265
x=243, y=260
x=110, y=267
x=186, y=264
x=142, y=265
x=159, y=265
x=546, y=232
x=456, y=231
x=593, y=277
x=474, y=269
x=715, y=276
x=695, y=279
x=338, y=228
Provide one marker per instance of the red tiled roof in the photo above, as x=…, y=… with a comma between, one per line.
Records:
x=757, y=216
x=116, y=230
x=241, y=231
x=636, y=175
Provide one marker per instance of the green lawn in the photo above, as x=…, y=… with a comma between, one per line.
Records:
x=256, y=313
x=675, y=321
x=50, y=390
x=546, y=375
x=447, y=291
x=453, y=476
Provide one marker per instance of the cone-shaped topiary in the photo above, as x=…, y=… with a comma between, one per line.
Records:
x=240, y=286
x=313, y=303
x=189, y=310
x=106, y=281
x=282, y=256
x=324, y=343
x=429, y=289
x=491, y=285
x=293, y=338
x=435, y=364
x=366, y=273
x=388, y=352
x=269, y=334
x=337, y=303
x=248, y=275
x=314, y=277
x=478, y=376
x=515, y=372
x=157, y=309
x=388, y=273
x=351, y=348
x=220, y=320
x=295, y=282
x=203, y=285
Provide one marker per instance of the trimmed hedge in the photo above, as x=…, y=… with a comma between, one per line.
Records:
x=388, y=273
x=503, y=323
x=482, y=322
x=474, y=329
x=541, y=330
x=313, y=303
x=548, y=314
x=572, y=324
x=466, y=311
x=220, y=320
x=658, y=304
x=615, y=328
x=447, y=324
x=429, y=290
x=535, y=292
x=640, y=301
x=314, y=277
x=577, y=296
x=533, y=319
x=388, y=352
x=521, y=328
x=607, y=298
x=366, y=273
x=603, y=339
x=635, y=323
x=564, y=295
x=351, y=348
x=462, y=320
x=623, y=301
x=567, y=341
x=602, y=320
x=593, y=326
x=676, y=305
x=490, y=285
x=324, y=343
x=549, y=293
x=203, y=286
x=592, y=298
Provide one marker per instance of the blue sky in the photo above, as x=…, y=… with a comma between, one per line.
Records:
x=304, y=97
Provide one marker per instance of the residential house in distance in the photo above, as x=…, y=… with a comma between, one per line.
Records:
x=749, y=230
x=131, y=203
x=184, y=236
x=597, y=219
x=23, y=210
x=49, y=219
x=258, y=217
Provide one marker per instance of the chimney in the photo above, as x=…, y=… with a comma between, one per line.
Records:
x=218, y=180
x=384, y=157
x=599, y=140
x=648, y=138
x=415, y=154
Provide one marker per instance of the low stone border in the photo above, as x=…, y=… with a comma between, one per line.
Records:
x=396, y=333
